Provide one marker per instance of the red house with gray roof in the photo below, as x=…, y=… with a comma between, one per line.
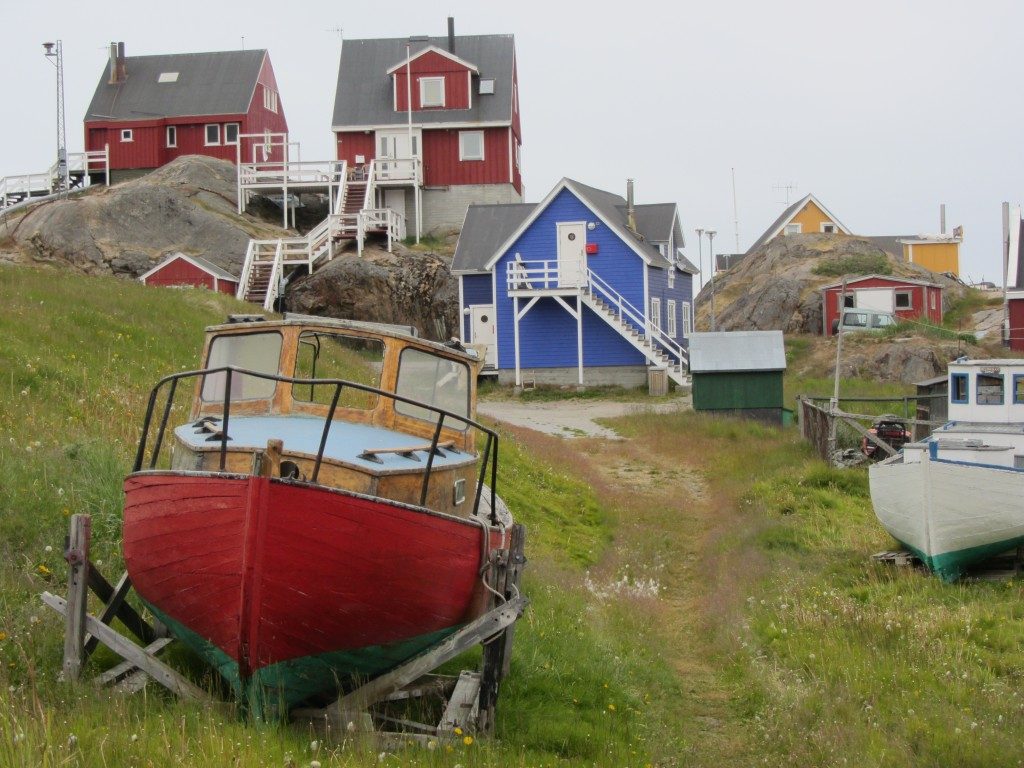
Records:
x=151, y=109
x=438, y=118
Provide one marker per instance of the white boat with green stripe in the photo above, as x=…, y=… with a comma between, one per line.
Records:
x=957, y=497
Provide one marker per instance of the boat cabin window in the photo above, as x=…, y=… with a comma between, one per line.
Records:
x=326, y=355
x=990, y=389
x=1018, y=389
x=435, y=381
x=958, y=388
x=255, y=351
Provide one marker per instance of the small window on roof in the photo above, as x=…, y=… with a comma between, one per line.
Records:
x=486, y=85
x=168, y=77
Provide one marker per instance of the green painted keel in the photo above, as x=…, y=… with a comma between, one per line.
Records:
x=273, y=690
x=950, y=566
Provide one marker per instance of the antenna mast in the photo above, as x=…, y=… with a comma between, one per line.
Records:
x=791, y=187
x=735, y=211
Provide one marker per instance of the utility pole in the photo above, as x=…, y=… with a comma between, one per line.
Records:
x=700, y=256
x=55, y=53
x=735, y=214
x=711, y=255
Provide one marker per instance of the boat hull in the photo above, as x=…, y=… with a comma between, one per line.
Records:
x=291, y=589
x=949, y=513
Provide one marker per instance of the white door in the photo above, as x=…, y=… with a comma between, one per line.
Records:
x=881, y=299
x=396, y=145
x=572, y=257
x=395, y=200
x=482, y=330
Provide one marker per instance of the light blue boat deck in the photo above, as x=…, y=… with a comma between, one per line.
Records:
x=301, y=434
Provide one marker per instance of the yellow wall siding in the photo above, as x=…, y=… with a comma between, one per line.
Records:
x=810, y=219
x=938, y=257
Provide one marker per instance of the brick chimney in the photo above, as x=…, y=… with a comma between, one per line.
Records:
x=118, y=70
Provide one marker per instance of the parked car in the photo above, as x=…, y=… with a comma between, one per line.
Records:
x=863, y=320
x=890, y=429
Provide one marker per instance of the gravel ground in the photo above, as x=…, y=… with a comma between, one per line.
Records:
x=571, y=418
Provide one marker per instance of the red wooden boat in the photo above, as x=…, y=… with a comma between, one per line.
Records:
x=323, y=515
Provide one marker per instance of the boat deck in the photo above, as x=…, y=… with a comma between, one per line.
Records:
x=352, y=444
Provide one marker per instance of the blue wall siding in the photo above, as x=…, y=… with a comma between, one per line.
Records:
x=657, y=281
x=476, y=289
x=548, y=332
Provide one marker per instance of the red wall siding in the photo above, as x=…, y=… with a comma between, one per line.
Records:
x=441, y=164
x=920, y=300
x=259, y=119
x=1016, y=324
x=354, y=143
x=180, y=272
x=456, y=81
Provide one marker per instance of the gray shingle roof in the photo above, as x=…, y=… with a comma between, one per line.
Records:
x=365, y=95
x=725, y=351
x=218, y=83
x=889, y=243
x=770, y=232
x=488, y=227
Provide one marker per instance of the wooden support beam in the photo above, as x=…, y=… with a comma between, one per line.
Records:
x=125, y=668
x=463, y=705
x=129, y=651
x=111, y=609
x=137, y=625
x=77, y=555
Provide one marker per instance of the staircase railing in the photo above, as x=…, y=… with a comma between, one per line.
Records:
x=273, y=286
x=243, y=280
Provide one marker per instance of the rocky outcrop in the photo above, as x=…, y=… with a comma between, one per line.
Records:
x=406, y=287
x=188, y=205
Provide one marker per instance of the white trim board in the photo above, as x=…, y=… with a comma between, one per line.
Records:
x=432, y=49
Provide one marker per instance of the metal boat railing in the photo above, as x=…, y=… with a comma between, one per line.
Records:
x=489, y=458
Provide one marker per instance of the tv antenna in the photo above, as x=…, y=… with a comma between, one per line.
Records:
x=787, y=188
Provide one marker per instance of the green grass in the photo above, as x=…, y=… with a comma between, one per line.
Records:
x=926, y=329
x=861, y=264
x=961, y=309
x=544, y=393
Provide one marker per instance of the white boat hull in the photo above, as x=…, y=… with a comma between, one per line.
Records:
x=949, y=513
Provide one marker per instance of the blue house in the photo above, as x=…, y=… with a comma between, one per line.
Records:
x=582, y=288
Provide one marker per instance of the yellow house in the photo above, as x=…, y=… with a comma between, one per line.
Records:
x=803, y=217
x=939, y=253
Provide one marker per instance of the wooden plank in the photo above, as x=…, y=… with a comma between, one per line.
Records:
x=129, y=651
x=137, y=625
x=77, y=555
x=880, y=443
x=516, y=564
x=464, y=704
x=125, y=668
x=447, y=444
x=110, y=610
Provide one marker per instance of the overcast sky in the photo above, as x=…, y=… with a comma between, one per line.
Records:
x=882, y=109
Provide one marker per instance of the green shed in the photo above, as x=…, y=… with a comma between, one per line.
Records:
x=738, y=373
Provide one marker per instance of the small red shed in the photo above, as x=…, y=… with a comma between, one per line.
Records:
x=905, y=297
x=1015, y=307
x=179, y=270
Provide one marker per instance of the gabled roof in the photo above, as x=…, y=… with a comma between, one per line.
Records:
x=787, y=215
x=365, y=95
x=725, y=261
x=195, y=261
x=890, y=278
x=217, y=83
x=488, y=244
x=432, y=49
x=727, y=351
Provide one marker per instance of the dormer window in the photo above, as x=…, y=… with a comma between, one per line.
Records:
x=431, y=92
x=486, y=86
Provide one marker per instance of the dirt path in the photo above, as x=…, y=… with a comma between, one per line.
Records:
x=571, y=418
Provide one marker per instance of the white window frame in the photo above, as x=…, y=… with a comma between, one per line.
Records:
x=687, y=319
x=127, y=135
x=655, y=318
x=832, y=228
x=670, y=316
x=238, y=130
x=463, y=156
x=269, y=99
x=902, y=292
x=672, y=276
x=425, y=82
x=171, y=136
x=793, y=228
x=206, y=135
x=931, y=299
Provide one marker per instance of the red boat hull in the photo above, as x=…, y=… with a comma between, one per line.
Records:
x=270, y=571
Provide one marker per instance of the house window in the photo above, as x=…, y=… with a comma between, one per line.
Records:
x=471, y=145
x=849, y=302
x=687, y=319
x=231, y=133
x=904, y=300
x=828, y=228
x=270, y=99
x=672, y=276
x=931, y=297
x=212, y=134
x=172, y=136
x=1018, y=389
x=431, y=92
x=958, y=388
x=126, y=134
x=486, y=85
x=267, y=144
x=670, y=316
x=989, y=389
x=793, y=229
x=656, y=314
x=518, y=157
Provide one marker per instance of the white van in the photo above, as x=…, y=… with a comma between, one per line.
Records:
x=863, y=320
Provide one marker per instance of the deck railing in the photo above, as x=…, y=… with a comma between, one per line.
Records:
x=489, y=459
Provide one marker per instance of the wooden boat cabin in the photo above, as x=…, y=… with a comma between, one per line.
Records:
x=363, y=407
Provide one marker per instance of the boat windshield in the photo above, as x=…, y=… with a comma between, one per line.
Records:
x=326, y=355
x=255, y=351
x=432, y=380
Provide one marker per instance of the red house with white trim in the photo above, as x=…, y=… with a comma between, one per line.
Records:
x=440, y=116
x=905, y=297
x=151, y=109
x=181, y=271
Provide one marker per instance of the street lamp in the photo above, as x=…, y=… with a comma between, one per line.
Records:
x=711, y=255
x=55, y=53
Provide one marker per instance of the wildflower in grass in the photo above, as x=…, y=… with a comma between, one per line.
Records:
x=458, y=731
x=43, y=569
x=611, y=707
x=467, y=740
x=314, y=764
x=3, y=636
x=314, y=745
